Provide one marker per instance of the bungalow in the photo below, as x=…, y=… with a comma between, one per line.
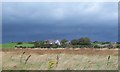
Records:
x=52, y=42
x=57, y=42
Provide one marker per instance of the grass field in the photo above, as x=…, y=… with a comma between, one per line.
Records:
x=9, y=45
x=68, y=59
x=12, y=45
x=0, y=46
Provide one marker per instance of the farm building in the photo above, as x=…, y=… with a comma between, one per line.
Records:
x=57, y=42
x=52, y=42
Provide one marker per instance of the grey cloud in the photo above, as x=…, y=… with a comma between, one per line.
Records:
x=34, y=21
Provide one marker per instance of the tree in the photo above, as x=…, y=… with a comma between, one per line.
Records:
x=107, y=42
x=39, y=44
x=48, y=45
x=42, y=44
x=55, y=46
x=96, y=46
x=36, y=44
x=118, y=42
x=95, y=42
x=19, y=43
x=46, y=42
x=84, y=41
x=63, y=41
x=74, y=42
x=118, y=46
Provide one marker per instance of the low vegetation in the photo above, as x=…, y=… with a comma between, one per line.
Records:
x=77, y=54
x=16, y=44
x=65, y=59
x=9, y=45
x=0, y=46
x=75, y=43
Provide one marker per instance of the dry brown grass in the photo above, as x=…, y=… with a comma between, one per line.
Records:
x=0, y=60
x=71, y=59
x=81, y=51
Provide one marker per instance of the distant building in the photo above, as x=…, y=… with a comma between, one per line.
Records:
x=57, y=42
x=52, y=42
x=68, y=42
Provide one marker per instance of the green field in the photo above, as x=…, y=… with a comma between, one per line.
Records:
x=0, y=45
x=9, y=45
x=12, y=45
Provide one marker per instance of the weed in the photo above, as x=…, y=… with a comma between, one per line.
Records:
x=27, y=59
x=57, y=59
x=51, y=64
x=108, y=60
x=21, y=57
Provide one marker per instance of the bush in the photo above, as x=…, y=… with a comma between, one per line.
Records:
x=55, y=46
x=19, y=43
x=23, y=47
x=84, y=41
x=32, y=47
x=48, y=45
x=63, y=46
x=16, y=46
x=118, y=46
x=96, y=46
x=63, y=41
x=36, y=44
x=74, y=42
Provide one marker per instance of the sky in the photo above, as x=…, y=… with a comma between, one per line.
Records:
x=30, y=21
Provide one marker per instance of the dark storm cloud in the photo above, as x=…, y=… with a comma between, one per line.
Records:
x=39, y=21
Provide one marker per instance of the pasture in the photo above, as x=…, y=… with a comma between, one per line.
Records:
x=12, y=45
x=60, y=59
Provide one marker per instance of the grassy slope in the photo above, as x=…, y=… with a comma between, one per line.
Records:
x=0, y=45
x=12, y=45
x=8, y=45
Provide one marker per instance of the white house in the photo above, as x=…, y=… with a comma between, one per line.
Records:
x=57, y=42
